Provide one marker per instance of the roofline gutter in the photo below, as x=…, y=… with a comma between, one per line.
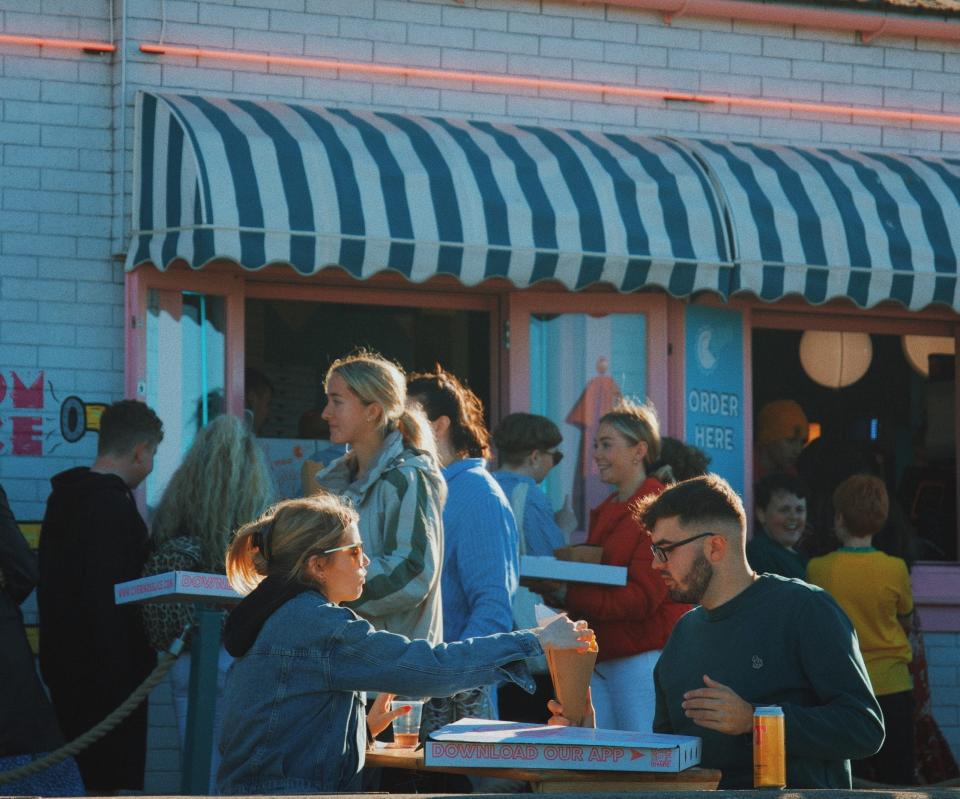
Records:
x=869, y=24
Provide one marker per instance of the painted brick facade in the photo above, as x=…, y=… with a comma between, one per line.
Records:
x=66, y=143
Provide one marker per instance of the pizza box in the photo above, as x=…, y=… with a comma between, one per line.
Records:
x=486, y=743
x=546, y=567
x=177, y=586
x=580, y=553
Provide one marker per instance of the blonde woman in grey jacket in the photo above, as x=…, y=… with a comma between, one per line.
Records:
x=391, y=476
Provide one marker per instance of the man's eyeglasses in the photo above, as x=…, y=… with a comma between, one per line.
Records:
x=662, y=551
x=356, y=550
x=557, y=456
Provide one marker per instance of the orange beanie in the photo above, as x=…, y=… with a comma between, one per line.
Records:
x=781, y=419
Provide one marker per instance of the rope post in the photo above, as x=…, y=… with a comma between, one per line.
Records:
x=198, y=745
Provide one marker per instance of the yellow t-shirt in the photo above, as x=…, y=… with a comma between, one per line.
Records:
x=873, y=588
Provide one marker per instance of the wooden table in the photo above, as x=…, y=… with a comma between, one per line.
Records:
x=560, y=780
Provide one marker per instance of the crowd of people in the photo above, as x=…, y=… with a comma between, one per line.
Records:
x=398, y=572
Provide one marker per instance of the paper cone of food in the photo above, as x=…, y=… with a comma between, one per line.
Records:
x=571, y=671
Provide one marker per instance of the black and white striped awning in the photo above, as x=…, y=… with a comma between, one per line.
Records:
x=826, y=223
x=260, y=183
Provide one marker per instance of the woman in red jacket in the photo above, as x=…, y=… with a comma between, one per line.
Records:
x=632, y=622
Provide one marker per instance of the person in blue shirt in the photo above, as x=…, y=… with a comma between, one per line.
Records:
x=480, y=540
x=527, y=446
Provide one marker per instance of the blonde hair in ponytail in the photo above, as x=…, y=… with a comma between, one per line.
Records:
x=284, y=538
x=378, y=381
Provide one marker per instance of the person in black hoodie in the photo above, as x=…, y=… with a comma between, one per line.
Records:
x=28, y=727
x=94, y=653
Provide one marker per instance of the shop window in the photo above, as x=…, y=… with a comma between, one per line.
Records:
x=185, y=367
x=292, y=343
x=579, y=365
x=894, y=421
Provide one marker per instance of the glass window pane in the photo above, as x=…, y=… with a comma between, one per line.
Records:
x=579, y=365
x=292, y=343
x=186, y=358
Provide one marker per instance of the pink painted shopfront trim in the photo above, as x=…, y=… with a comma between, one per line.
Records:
x=936, y=585
x=236, y=286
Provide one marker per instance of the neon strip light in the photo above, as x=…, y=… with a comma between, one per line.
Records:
x=66, y=44
x=486, y=79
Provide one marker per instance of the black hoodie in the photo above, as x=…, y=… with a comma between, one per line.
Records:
x=27, y=723
x=93, y=653
x=247, y=619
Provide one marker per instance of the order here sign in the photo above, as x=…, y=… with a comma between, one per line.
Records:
x=713, y=399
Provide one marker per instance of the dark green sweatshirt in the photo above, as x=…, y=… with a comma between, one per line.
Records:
x=779, y=642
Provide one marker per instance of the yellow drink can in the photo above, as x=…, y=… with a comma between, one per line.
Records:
x=769, y=748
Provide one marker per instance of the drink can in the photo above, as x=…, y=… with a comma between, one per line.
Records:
x=769, y=750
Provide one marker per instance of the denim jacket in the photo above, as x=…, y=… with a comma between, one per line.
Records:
x=293, y=716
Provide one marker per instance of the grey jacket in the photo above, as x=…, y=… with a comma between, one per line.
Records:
x=400, y=502
x=293, y=715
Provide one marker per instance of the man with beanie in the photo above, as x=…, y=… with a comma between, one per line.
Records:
x=782, y=430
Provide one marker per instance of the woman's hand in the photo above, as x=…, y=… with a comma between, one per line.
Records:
x=561, y=633
x=558, y=719
x=379, y=717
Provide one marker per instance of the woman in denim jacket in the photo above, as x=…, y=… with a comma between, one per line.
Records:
x=294, y=703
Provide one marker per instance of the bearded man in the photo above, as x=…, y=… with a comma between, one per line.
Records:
x=753, y=640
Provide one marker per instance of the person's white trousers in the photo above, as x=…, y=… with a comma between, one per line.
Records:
x=180, y=682
x=623, y=694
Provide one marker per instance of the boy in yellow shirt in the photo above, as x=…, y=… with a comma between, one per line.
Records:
x=873, y=589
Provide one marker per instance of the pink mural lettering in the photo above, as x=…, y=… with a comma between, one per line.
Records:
x=26, y=435
x=33, y=423
x=24, y=397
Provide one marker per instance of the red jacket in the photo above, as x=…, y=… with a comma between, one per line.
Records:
x=638, y=616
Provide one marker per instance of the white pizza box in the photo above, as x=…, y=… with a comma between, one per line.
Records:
x=488, y=743
x=550, y=568
x=177, y=586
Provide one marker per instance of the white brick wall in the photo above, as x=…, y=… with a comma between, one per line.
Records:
x=61, y=293
x=55, y=196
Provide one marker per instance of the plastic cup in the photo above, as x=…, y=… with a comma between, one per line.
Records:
x=406, y=728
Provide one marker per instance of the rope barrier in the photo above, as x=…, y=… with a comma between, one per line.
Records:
x=94, y=734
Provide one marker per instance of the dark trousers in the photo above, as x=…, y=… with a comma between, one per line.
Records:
x=894, y=763
x=116, y=761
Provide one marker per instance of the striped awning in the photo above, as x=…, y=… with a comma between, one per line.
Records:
x=827, y=223
x=258, y=183
x=264, y=182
